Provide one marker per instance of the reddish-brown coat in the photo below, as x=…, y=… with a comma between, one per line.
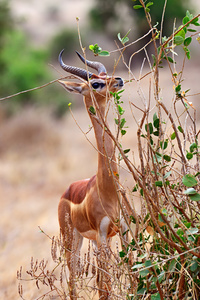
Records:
x=77, y=190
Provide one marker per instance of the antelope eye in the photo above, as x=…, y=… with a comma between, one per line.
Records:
x=95, y=85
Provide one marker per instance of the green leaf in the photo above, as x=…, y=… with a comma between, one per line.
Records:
x=187, y=41
x=189, y=15
x=122, y=123
x=138, y=266
x=163, y=145
x=167, y=157
x=120, y=110
x=189, y=155
x=119, y=36
x=133, y=220
x=193, y=146
x=150, y=127
x=173, y=136
x=189, y=180
x=135, y=188
x=185, y=20
x=172, y=265
x=122, y=254
x=155, y=116
x=91, y=47
x=180, y=232
x=178, y=88
x=95, y=48
x=158, y=157
x=156, y=133
x=167, y=175
x=141, y=291
x=194, y=265
x=192, y=231
x=143, y=255
x=127, y=150
x=195, y=197
x=160, y=219
x=190, y=191
x=187, y=52
x=182, y=32
x=156, y=123
x=144, y=273
x=161, y=276
x=154, y=60
x=192, y=30
x=98, y=50
x=92, y=110
x=125, y=40
x=137, y=6
x=104, y=53
x=159, y=183
x=178, y=40
x=170, y=59
x=148, y=263
x=180, y=129
x=149, y=4
x=195, y=22
x=187, y=224
x=123, y=132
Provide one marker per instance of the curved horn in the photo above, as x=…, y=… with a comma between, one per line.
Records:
x=74, y=70
x=93, y=64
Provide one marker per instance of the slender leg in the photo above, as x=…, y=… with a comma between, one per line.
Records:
x=72, y=259
x=103, y=276
x=72, y=241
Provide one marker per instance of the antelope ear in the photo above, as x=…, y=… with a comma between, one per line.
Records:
x=72, y=87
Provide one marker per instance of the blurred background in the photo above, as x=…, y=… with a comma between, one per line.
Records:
x=41, y=149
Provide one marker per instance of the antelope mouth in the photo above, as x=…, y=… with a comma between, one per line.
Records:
x=120, y=83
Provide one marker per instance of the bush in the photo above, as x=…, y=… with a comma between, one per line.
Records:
x=66, y=39
x=26, y=68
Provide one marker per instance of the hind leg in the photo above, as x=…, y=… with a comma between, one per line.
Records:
x=72, y=241
x=103, y=260
x=72, y=259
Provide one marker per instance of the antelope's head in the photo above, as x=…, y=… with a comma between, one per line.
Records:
x=100, y=85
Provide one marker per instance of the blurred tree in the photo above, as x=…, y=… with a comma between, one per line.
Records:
x=5, y=26
x=113, y=16
x=23, y=67
x=175, y=10
x=66, y=39
x=106, y=14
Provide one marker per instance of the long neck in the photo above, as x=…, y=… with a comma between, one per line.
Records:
x=107, y=166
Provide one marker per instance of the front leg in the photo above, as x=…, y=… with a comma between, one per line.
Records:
x=72, y=257
x=102, y=232
x=103, y=276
